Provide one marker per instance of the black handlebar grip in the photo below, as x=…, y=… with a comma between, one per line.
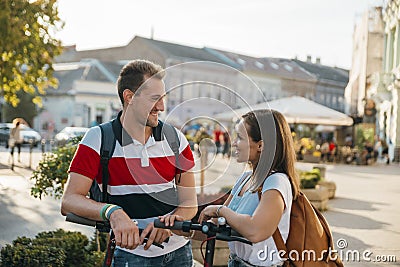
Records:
x=234, y=233
x=177, y=225
x=80, y=220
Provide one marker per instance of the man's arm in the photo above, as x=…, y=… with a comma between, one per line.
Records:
x=187, y=208
x=74, y=200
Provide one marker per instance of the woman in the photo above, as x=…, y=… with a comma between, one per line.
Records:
x=265, y=141
x=15, y=141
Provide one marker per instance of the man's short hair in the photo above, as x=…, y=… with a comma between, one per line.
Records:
x=135, y=73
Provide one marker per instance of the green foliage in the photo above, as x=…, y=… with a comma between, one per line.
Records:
x=364, y=133
x=51, y=174
x=309, y=179
x=27, y=47
x=25, y=252
x=99, y=241
x=54, y=248
x=26, y=109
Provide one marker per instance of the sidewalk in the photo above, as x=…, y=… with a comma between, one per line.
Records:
x=20, y=213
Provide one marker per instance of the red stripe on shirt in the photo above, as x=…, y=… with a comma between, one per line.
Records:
x=129, y=171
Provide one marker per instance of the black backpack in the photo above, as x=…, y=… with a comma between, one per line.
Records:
x=107, y=147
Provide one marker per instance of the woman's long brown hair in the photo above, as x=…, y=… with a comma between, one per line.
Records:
x=278, y=154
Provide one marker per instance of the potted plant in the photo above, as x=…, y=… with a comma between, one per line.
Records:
x=318, y=195
x=330, y=185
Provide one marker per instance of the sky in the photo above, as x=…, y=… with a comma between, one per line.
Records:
x=260, y=28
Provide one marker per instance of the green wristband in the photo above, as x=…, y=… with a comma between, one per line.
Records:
x=103, y=211
x=110, y=210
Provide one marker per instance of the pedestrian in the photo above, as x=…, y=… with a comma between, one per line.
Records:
x=332, y=151
x=264, y=141
x=218, y=138
x=15, y=140
x=227, y=145
x=142, y=177
x=348, y=141
x=325, y=151
x=203, y=149
x=385, y=151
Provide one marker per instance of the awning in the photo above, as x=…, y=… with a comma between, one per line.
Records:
x=296, y=110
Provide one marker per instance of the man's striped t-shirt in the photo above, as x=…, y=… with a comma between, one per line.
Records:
x=141, y=177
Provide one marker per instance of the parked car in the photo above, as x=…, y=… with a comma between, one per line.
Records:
x=68, y=133
x=28, y=134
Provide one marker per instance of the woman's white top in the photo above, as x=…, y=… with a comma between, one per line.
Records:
x=263, y=253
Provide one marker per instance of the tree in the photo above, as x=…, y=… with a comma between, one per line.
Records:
x=27, y=47
x=26, y=109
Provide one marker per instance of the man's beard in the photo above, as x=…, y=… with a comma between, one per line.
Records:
x=151, y=123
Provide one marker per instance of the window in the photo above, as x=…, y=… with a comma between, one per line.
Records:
x=288, y=68
x=240, y=61
x=259, y=65
x=274, y=65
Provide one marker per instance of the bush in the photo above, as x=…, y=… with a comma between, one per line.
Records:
x=51, y=174
x=55, y=248
x=310, y=179
x=24, y=252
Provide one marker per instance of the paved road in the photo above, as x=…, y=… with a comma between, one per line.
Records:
x=364, y=215
x=22, y=214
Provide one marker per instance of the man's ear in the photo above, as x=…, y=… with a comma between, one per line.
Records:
x=260, y=145
x=128, y=95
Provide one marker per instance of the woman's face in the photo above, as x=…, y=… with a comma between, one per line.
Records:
x=246, y=150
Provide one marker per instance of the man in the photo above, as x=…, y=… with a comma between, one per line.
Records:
x=142, y=175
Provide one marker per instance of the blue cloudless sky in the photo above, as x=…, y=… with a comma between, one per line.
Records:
x=264, y=28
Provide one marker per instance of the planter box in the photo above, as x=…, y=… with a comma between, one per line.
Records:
x=221, y=253
x=331, y=186
x=318, y=197
x=322, y=170
x=311, y=158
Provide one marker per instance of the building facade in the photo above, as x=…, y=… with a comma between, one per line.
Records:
x=387, y=96
x=86, y=96
x=367, y=61
x=201, y=82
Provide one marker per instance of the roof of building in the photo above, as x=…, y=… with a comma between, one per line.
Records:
x=86, y=70
x=323, y=72
x=185, y=52
x=272, y=66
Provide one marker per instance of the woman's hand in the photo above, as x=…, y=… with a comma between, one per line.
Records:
x=208, y=213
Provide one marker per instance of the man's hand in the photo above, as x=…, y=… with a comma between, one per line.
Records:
x=156, y=235
x=169, y=220
x=125, y=230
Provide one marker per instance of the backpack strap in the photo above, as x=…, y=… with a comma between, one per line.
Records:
x=106, y=151
x=169, y=132
x=277, y=236
x=280, y=244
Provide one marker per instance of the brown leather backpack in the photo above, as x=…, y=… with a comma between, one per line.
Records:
x=310, y=242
